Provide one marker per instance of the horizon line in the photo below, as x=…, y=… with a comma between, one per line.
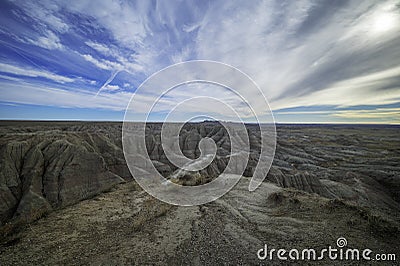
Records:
x=121, y=121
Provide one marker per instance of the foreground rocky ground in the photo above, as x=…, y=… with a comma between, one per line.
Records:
x=326, y=182
x=128, y=227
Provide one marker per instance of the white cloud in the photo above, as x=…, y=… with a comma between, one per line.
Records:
x=99, y=47
x=182, y=55
x=10, y=78
x=48, y=41
x=121, y=64
x=39, y=94
x=45, y=14
x=377, y=116
x=27, y=72
x=379, y=113
x=102, y=64
x=295, y=65
x=190, y=28
x=362, y=90
x=112, y=87
x=122, y=19
x=115, y=67
x=301, y=53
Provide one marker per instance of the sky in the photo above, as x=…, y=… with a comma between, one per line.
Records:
x=315, y=61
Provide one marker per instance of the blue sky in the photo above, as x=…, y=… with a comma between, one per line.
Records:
x=316, y=61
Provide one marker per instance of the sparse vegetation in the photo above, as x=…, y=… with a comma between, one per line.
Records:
x=151, y=209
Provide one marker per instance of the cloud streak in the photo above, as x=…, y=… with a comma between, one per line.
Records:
x=27, y=72
x=301, y=53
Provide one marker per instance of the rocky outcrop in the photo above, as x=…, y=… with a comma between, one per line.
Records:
x=50, y=165
x=47, y=170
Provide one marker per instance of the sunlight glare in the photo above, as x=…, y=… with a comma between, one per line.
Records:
x=384, y=22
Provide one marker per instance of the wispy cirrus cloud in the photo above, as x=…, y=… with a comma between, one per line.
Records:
x=102, y=64
x=382, y=87
x=48, y=41
x=39, y=94
x=301, y=53
x=388, y=114
x=29, y=72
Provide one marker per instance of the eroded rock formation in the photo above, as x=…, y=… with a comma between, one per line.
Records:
x=51, y=165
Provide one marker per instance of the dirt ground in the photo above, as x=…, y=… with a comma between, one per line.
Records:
x=126, y=226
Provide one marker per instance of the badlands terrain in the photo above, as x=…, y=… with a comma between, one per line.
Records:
x=67, y=196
